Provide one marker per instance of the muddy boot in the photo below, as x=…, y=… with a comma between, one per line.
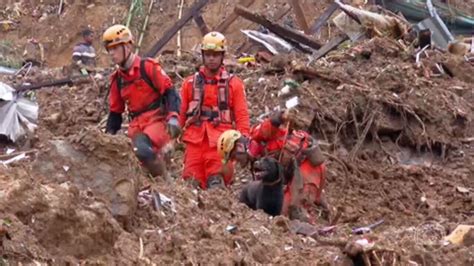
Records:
x=155, y=163
x=158, y=167
x=314, y=155
x=332, y=214
x=155, y=167
x=215, y=181
x=297, y=213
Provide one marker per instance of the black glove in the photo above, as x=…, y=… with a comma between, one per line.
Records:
x=276, y=118
x=114, y=123
x=281, y=117
x=172, y=101
x=173, y=127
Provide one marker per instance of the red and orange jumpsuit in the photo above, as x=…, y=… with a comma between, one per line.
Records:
x=268, y=140
x=210, y=106
x=129, y=89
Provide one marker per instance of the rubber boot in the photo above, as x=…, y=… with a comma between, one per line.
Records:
x=157, y=167
x=215, y=181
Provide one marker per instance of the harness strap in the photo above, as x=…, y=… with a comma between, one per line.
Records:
x=223, y=112
x=155, y=105
x=144, y=76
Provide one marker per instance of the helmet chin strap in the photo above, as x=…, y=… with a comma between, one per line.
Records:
x=125, y=63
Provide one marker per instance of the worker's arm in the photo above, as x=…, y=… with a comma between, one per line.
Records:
x=185, y=88
x=116, y=107
x=165, y=86
x=83, y=54
x=270, y=128
x=76, y=54
x=264, y=131
x=240, y=109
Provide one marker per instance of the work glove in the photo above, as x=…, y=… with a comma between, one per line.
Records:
x=314, y=155
x=114, y=123
x=280, y=117
x=173, y=128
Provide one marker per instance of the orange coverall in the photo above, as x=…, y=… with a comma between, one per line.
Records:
x=267, y=139
x=137, y=95
x=201, y=132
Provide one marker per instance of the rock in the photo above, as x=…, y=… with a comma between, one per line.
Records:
x=457, y=67
x=59, y=219
x=462, y=235
x=117, y=187
x=54, y=118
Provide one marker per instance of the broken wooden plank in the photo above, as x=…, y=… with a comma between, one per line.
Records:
x=329, y=46
x=349, y=10
x=321, y=20
x=282, y=32
x=314, y=73
x=279, y=15
x=299, y=14
x=178, y=39
x=201, y=24
x=193, y=10
x=225, y=24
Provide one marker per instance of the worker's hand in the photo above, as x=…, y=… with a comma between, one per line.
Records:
x=276, y=118
x=288, y=115
x=281, y=117
x=114, y=123
x=173, y=127
x=227, y=169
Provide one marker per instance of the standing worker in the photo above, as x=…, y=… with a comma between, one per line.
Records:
x=141, y=85
x=83, y=53
x=213, y=102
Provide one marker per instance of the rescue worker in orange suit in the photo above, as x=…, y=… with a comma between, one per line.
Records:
x=213, y=101
x=273, y=138
x=142, y=87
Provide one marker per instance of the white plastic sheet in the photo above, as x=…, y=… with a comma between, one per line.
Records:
x=17, y=114
x=7, y=70
x=273, y=43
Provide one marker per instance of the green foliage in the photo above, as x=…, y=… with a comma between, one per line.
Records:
x=9, y=56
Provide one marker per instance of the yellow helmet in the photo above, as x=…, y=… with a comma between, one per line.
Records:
x=115, y=35
x=226, y=143
x=213, y=41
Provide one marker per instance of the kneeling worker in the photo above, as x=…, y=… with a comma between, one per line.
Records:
x=142, y=86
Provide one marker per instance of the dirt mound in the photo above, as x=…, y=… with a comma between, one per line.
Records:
x=54, y=221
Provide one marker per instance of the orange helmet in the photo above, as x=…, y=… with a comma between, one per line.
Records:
x=226, y=143
x=116, y=35
x=213, y=41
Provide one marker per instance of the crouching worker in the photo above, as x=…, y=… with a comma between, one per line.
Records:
x=143, y=87
x=296, y=151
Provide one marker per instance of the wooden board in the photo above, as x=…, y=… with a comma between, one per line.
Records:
x=283, y=32
x=193, y=10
